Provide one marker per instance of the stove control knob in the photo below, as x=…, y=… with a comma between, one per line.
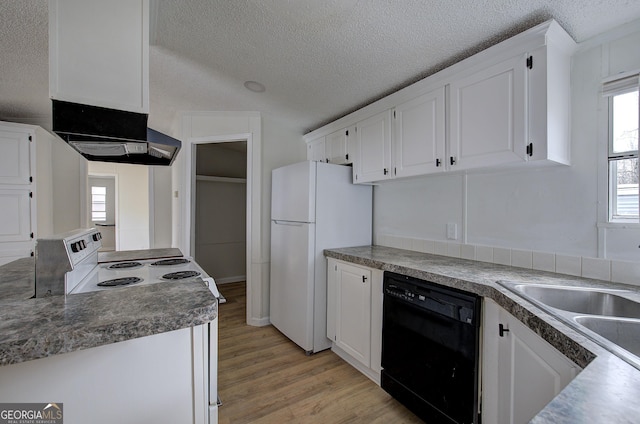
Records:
x=75, y=247
x=97, y=236
x=83, y=244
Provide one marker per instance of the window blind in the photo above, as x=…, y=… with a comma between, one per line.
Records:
x=621, y=83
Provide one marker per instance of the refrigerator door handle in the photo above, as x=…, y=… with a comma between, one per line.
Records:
x=290, y=223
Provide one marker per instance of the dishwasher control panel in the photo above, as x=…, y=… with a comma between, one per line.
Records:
x=432, y=297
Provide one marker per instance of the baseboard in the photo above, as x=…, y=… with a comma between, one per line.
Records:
x=259, y=322
x=227, y=280
x=375, y=377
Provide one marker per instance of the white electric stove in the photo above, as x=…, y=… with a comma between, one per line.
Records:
x=119, y=275
x=67, y=264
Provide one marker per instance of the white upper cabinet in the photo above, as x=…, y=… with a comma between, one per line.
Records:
x=488, y=116
x=15, y=216
x=17, y=191
x=372, y=161
x=339, y=144
x=506, y=105
x=316, y=150
x=419, y=135
x=336, y=147
x=99, y=53
x=15, y=166
x=549, y=130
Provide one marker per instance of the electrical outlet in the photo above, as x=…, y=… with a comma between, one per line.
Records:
x=452, y=231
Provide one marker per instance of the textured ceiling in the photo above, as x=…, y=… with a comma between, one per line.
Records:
x=318, y=59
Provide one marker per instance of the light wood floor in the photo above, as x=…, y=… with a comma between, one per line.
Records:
x=263, y=377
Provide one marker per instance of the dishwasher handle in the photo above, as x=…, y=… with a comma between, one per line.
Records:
x=447, y=305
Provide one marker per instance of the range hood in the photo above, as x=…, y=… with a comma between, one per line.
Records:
x=110, y=135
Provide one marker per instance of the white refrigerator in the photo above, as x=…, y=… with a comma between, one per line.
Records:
x=314, y=206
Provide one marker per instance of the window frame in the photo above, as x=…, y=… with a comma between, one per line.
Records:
x=94, y=202
x=620, y=84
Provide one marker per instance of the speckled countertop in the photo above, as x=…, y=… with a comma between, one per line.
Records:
x=16, y=280
x=37, y=328
x=605, y=391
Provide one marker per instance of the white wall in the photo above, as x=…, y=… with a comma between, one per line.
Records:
x=132, y=202
x=282, y=146
x=60, y=183
x=160, y=178
x=273, y=145
x=44, y=183
x=556, y=209
x=69, y=176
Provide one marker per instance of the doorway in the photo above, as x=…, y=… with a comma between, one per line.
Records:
x=102, y=208
x=220, y=225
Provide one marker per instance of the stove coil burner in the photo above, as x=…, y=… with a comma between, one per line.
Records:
x=180, y=275
x=125, y=265
x=169, y=262
x=125, y=281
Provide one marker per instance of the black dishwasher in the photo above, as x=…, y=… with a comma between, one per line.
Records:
x=430, y=349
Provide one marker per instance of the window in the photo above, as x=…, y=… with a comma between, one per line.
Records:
x=624, y=176
x=98, y=204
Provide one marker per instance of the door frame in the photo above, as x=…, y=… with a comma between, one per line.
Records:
x=115, y=198
x=252, y=203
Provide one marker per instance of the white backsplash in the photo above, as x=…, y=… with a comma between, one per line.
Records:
x=598, y=268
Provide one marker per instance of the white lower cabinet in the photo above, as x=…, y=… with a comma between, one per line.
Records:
x=354, y=315
x=521, y=372
x=153, y=379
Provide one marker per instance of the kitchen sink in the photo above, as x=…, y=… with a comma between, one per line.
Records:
x=582, y=300
x=624, y=333
x=609, y=317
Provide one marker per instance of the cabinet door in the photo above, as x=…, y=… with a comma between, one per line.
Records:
x=15, y=215
x=419, y=135
x=19, y=251
x=103, y=67
x=353, y=311
x=488, y=116
x=373, y=137
x=14, y=157
x=337, y=146
x=316, y=150
x=521, y=371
